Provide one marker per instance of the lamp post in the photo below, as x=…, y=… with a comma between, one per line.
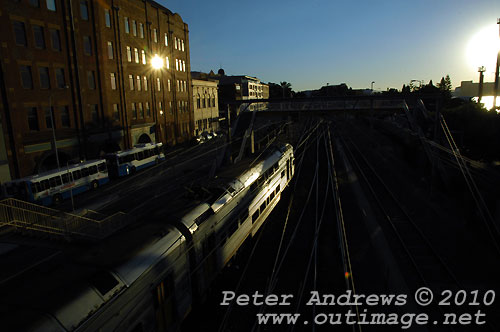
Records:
x=481, y=71
x=495, y=92
x=372, y=85
x=53, y=130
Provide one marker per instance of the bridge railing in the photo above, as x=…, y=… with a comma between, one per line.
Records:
x=346, y=104
x=36, y=219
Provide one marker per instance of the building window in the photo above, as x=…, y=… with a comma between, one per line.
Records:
x=60, y=78
x=51, y=5
x=166, y=39
x=176, y=64
x=203, y=103
x=116, y=114
x=182, y=45
x=143, y=53
x=136, y=52
x=107, y=18
x=26, y=78
x=134, y=112
x=129, y=54
x=160, y=107
x=113, y=81
x=33, y=119
x=148, y=110
x=168, y=82
x=49, y=112
x=35, y=3
x=175, y=42
x=87, y=46
x=19, y=33
x=158, y=84
x=155, y=35
x=138, y=79
x=141, y=111
x=141, y=30
x=198, y=102
x=178, y=88
x=84, y=10
x=44, y=77
x=39, y=36
x=110, y=50
x=56, y=40
x=127, y=26
x=145, y=83
x=167, y=62
x=94, y=113
x=91, y=79
x=183, y=65
x=131, y=82
x=185, y=86
x=65, y=121
x=134, y=28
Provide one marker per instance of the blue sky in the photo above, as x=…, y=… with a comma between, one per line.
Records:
x=310, y=43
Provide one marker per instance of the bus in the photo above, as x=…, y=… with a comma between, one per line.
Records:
x=54, y=186
x=127, y=162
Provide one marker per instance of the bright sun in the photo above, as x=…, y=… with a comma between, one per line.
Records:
x=483, y=48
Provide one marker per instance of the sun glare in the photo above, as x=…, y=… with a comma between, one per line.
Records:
x=483, y=48
x=157, y=62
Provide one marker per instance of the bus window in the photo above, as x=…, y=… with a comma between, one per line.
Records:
x=58, y=180
x=34, y=187
x=45, y=184
x=52, y=182
x=102, y=167
x=92, y=170
x=85, y=172
x=77, y=175
x=140, y=155
x=65, y=177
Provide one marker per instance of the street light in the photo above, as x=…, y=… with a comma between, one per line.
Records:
x=53, y=128
x=372, y=85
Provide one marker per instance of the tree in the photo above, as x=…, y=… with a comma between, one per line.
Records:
x=445, y=86
x=286, y=87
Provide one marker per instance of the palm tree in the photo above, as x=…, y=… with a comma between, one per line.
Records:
x=286, y=86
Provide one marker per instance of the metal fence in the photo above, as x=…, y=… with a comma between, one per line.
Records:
x=32, y=218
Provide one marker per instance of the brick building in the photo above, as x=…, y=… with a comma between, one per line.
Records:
x=85, y=68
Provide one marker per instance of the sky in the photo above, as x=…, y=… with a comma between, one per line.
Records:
x=313, y=42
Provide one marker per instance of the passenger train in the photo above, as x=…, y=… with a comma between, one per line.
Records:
x=155, y=286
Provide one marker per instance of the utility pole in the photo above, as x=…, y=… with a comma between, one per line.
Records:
x=495, y=92
x=481, y=71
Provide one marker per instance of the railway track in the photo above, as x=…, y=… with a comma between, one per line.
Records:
x=407, y=229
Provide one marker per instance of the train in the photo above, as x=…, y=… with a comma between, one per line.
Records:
x=126, y=285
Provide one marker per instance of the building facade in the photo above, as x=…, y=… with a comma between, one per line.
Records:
x=91, y=76
x=206, y=106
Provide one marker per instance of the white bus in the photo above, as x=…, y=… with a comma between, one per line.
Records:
x=54, y=186
x=123, y=163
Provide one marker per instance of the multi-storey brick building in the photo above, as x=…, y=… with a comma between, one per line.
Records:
x=85, y=69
